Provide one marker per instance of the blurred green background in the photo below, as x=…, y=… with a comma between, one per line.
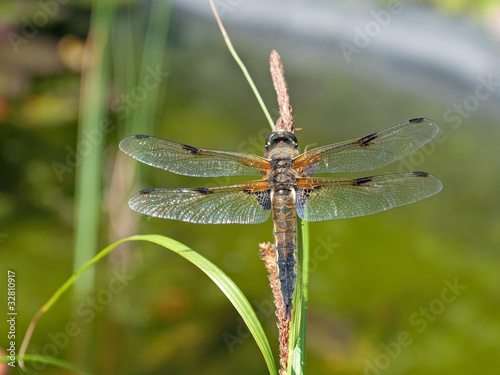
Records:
x=409, y=291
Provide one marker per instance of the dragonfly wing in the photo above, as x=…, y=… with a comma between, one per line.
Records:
x=191, y=161
x=319, y=199
x=370, y=152
x=248, y=203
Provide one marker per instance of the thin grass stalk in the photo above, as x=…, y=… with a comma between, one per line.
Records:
x=241, y=65
x=91, y=139
x=92, y=130
x=123, y=59
x=297, y=345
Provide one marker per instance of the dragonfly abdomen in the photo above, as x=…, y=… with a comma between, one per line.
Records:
x=283, y=205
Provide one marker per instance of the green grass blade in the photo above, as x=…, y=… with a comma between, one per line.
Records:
x=55, y=362
x=297, y=347
x=227, y=286
x=153, y=56
x=124, y=38
x=91, y=139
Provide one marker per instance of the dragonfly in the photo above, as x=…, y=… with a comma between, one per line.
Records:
x=286, y=187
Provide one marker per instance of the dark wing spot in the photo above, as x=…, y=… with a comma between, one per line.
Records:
x=362, y=181
x=421, y=174
x=263, y=197
x=202, y=191
x=147, y=191
x=416, y=120
x=141, y=136
x=303, y=194
x=191, y=149
x=367, y=139
x=307, y=192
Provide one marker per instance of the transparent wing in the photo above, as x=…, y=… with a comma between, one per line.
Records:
x=248, y=203
x=191, y=161
x=370, y=152
x=320, y=199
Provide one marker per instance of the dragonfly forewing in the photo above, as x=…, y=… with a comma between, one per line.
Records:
x=319, y=199
x=369, y=152
x=191, y=161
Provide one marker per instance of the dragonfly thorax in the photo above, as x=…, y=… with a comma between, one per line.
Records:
x=281, y=174
x=281, y=149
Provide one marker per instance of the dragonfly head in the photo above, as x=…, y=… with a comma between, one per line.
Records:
x=281, y=140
